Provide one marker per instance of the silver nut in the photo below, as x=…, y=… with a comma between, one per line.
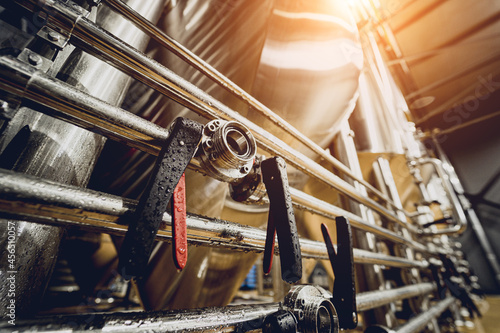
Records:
x=53, y=36
x=34, y=59
x=244, y=169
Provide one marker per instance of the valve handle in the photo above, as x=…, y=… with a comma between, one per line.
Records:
x=281, y=221
x=342, y=261
x=174, y=157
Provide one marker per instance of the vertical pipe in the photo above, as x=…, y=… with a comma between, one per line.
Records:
x=473, y=218
x=372, y=274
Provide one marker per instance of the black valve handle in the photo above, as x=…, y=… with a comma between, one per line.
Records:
x=342, y=261
x=174, y=157
x=281, y=221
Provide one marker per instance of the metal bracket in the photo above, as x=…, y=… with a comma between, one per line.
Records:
x=179, y=148
x=342, y=261
x=281, y=221
x=53, y=37
x=35, y=60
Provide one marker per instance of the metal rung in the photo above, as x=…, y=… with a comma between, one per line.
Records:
x=114, y=51
x=33, y=199
x=228, y=319
x=65, y=102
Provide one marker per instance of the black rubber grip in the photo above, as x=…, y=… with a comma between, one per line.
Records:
x=173, y=159
x=276, y=182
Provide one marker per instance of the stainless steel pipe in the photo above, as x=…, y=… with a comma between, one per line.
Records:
x=458, y=211
x=419, y=322
x=227, y=319
x=68, y=103
x=372, y=299
x=98, y=42
x=308, y=202
x=42, y=201
x=205, y=68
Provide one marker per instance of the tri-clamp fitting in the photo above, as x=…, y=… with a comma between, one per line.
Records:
x=227, y=151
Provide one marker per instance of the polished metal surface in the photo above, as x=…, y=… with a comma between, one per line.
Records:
x=372, y=299
x=148, y=71
x=456, y=204
x=229, y=319
x=419, y=322
x=59, y=151
x=195, y=61
x=313, y=309
x=57, y=204
x=227, y=150
x=273, y=77
x=66, y=102
x=113, y=122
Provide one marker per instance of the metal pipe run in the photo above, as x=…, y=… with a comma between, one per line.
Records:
x=419, y=322
x=241, y=318
x=458, y=212
x=68, y=103
x=92, y=39
x=308, y=202
x=372, y=299
x=209, y=71
x=63, y=101
x=38, y=200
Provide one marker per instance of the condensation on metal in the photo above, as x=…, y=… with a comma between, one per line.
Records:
x=48, y=202
x=242, y=318
x=222, y=319
x=419, y=322
x=79, y=108
x=370, y=300
x=124, y=57
x=193, y=60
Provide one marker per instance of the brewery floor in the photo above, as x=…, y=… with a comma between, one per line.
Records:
x=490, y=323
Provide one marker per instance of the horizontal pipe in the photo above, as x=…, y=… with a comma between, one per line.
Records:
x=192, y=59
x=64, y=101
x=308, y=202
x=38, y=200
x=241, y=318
x=86, y=35
x=373, y=299
x=418, y=323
